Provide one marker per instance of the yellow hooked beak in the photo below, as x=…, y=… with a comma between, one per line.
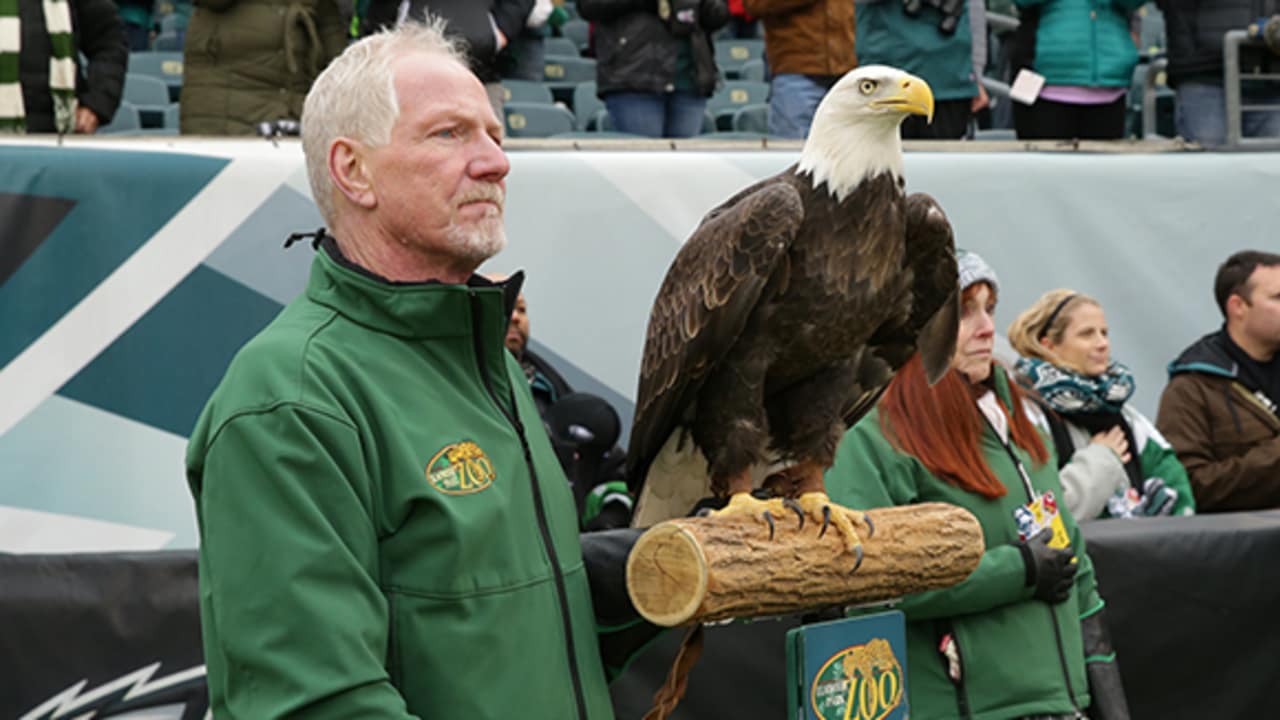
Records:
x=914, y=96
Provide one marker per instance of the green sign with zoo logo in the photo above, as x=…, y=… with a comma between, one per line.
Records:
x=851, y=669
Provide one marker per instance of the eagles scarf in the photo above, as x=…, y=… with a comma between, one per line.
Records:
x=1071, y=393
x=62, y=66
x=1093, y=403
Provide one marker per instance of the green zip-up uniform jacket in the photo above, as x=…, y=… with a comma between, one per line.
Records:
x=1019, y=656
x=385, y=530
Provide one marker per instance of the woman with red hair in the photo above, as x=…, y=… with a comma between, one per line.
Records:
x=1023, y=636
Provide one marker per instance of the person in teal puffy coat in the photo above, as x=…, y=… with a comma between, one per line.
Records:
x=1085, y=53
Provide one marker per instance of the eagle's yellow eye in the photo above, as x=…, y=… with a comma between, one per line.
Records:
x=867, y=86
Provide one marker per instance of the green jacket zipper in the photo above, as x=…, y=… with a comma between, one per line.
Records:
x=962, y=698
x=539, y=509
x=1053, y=617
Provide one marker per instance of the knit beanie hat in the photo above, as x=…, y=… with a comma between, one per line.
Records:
x=974, y=269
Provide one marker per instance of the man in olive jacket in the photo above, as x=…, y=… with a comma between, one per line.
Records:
x=1219, y=410
x=252, y=61
x=385, y=531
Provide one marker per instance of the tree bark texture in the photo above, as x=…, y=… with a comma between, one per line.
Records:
x=712, y=568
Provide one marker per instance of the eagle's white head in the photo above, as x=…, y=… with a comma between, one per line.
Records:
x=854, y=134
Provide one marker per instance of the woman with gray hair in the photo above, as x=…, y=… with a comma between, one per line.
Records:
x=1024, y=636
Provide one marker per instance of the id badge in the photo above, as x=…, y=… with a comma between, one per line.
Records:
x=1041, y=513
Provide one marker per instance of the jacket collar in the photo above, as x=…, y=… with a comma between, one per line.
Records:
x=418, y=310
x=1207, y=355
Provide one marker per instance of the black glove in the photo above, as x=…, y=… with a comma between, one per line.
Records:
x=1104, y=675
x=1050, y=570
x=623, y=631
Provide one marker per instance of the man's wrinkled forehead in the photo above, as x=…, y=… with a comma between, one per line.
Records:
x=435, y=80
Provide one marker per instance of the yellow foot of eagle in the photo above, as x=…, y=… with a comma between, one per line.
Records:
x=763, y=510
x=819, y=507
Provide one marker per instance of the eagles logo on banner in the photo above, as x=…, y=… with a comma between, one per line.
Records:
x=460, y=469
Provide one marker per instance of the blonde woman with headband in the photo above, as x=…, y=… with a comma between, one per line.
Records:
x=1113, y=462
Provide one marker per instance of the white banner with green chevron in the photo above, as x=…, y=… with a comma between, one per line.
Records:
x=132, y=270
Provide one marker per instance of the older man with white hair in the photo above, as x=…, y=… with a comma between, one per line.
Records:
x=385, y=530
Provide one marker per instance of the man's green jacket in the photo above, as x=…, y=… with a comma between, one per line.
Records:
x=385, y=530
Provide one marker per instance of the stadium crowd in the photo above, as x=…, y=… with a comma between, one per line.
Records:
x=999, y=69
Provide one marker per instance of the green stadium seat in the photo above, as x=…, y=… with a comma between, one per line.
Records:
x=586, y=105
x=149, y=95
x=173, y=116
x=732, y=54
x=752, y=70
x=125, y=122
x=167, y=41
x=526, y=91
x=1151, y=32
x=735, y=94
x=562, y=75
x=751, y=118
x=565, y=69
x=163, y=65
x=536, y=120
x=579, y=31
x=561, y=46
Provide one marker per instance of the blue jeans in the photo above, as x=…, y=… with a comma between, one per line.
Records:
x=792, y=100
x=1202, y=110
x=672, y=115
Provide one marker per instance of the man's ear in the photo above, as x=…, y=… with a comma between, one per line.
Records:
x=1235, y=305
x=350, y=172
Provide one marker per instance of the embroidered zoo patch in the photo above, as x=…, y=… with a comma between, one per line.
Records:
x=461, y=468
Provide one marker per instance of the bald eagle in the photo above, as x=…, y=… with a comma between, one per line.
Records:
x=787, y=312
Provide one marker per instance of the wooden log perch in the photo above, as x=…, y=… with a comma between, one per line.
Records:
x=712, y=568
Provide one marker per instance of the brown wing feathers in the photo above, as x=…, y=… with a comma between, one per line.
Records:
x=935, y=311
x=704, y=302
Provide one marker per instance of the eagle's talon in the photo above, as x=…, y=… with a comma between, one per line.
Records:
x=857, y=550
x=826, y=520
x=795, y=508
x=704, y=512
x=871, y=527
x=768, y=517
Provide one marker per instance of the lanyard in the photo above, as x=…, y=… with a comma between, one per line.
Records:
x=1022, y=471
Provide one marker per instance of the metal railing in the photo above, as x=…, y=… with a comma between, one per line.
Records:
x=1232, y=76
x=1157, y=68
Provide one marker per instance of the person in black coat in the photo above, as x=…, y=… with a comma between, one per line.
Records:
x=656, y=67
x=1193, y=31
x=487, y=27
x=583, y=429
x=99, y=34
